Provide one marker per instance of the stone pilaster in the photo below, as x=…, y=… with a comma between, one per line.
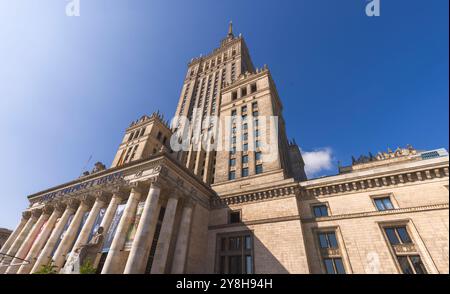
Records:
x=60, y=254
x=39, y=243
x=44, y=214
x=112, y=262
x=19, y=240
x=46, y=253
x=181, y=246
x=140, y=249
x=162, y=248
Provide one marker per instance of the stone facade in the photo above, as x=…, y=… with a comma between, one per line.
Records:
x=243, y=210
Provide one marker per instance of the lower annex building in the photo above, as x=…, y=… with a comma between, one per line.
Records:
x=247, y=208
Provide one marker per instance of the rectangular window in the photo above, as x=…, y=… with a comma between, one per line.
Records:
x=245, y=172
x=232, y=175
x=245, y=147
x=245, y=159
x=255, y=113
x=257, y=144
x=383, y=203
x=233, y=112
x=253, y=88
x=244, y=108
x=235, y=217
x=256, y=133
x=232, y=162
x=243, y=92
x=234, y=253
x=328, y=240
x=397, y=235
x=334, y=266
x=258, y=155
x=331, y=257
x=259, y=169
x=244, y=137
x=234, y=95
x=406, y=252
x=320, y=210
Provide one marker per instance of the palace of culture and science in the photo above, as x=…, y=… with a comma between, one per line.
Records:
x=221, y=189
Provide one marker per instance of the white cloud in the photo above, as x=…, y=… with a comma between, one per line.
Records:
x=317, y=161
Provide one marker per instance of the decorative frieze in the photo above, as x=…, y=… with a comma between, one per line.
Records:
x=255, y=196
x=382, y=181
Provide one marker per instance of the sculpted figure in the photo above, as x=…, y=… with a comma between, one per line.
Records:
x=89, y=251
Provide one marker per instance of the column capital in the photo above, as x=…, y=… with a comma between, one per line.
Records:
x=136, y=187
x=48, y=209
x=87, y=199
x=102, y=196
x=26, y=214
x=60, y=206
x=189, y=202
x=36, y=212
x=73, y=203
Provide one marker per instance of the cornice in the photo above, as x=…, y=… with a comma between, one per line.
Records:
x=374, y=181
x=256, y=196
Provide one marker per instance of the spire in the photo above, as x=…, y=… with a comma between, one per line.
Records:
x=230, y=29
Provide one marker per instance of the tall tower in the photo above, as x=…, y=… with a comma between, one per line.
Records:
x=225, y=84
x=201, y=97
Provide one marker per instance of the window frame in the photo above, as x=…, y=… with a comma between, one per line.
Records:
x=316, y=204
x=381, y=196
x=416, y=241
x=231, y=211
x=225, y=254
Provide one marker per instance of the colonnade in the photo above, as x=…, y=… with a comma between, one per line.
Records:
x=38, y=239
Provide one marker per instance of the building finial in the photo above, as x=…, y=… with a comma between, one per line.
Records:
x=230, y=29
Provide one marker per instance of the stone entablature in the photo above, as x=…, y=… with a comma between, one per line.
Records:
x=260, y=195
x=408, y=173
x=159, y=166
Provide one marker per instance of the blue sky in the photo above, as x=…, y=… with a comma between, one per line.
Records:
x=350, y=84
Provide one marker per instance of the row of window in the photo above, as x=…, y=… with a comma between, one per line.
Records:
x=381, y=203
x=214, y=61
x=136, y=134
x=235, y=253
x=258, y=156
x=245, y=172
x=244, y=91
x=244, y=108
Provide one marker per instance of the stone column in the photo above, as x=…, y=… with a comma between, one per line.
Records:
x=28, y=242
x=181, y=246
x=25, y=216
x=111, y=210
x=112, y=262
x=60, y=254
x=108, y=217
x=39, y=243
x=19, y=240
x=82, y=239
x=162, y=248
x=46, y=254
x=137, y=260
